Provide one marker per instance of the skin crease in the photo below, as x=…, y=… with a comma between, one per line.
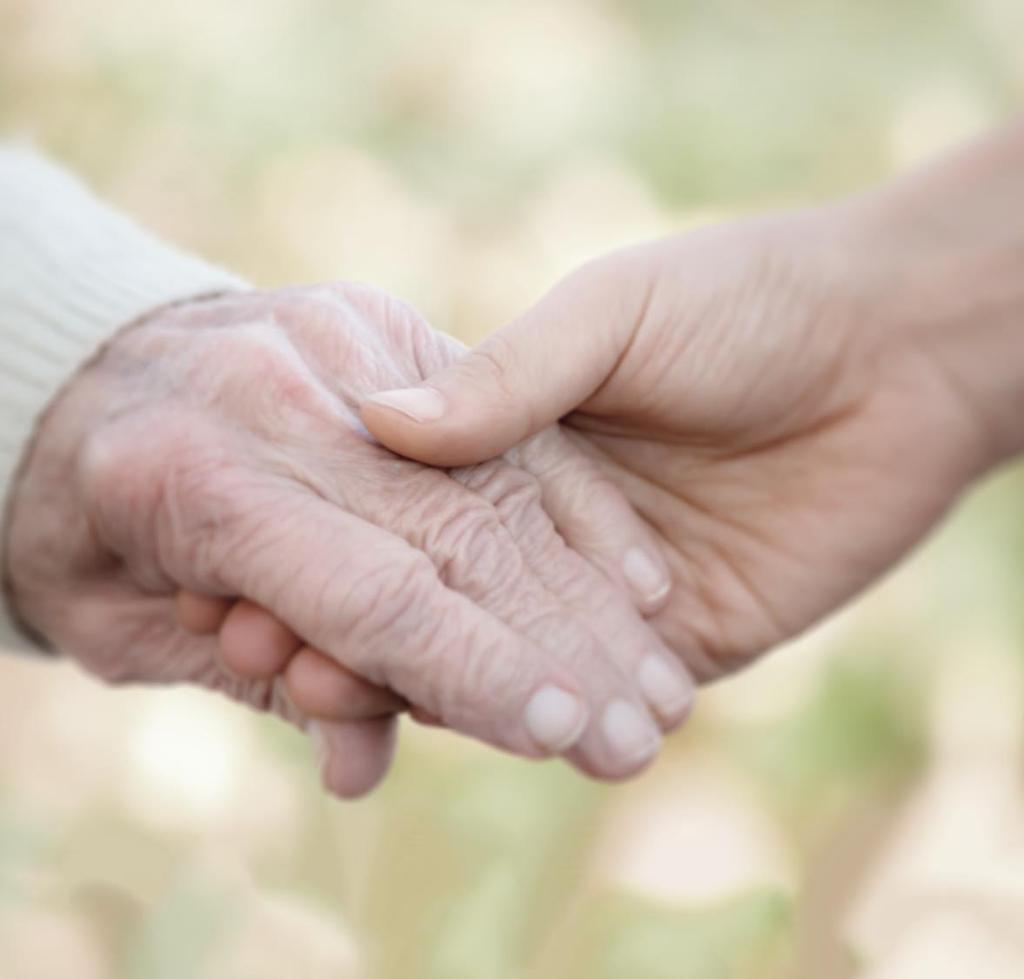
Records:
x=216, y=447
x=792, y=401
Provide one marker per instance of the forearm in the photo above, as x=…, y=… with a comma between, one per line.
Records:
x=945, y=247
x=71, y=273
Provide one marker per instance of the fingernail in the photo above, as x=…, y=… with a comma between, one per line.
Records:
x=319, y=740
x=420, y=404
x=555, y=718
x=667, y=688
x=631, y=735
x=645, y=576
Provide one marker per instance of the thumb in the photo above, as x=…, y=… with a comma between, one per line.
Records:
x=523, y=378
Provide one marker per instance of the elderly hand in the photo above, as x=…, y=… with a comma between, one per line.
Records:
x=216, y=447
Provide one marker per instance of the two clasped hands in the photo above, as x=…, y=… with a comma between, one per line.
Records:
x=687, y=452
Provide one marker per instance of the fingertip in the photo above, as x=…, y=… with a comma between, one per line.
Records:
x=455, y=421
x=254, y=644
x=354, y=757
x=555, y=718
x=648, y=578
x=424, y=717
x=631, y=735
x=434, y=443
x=419, y=404
x=621, y=743
x=612, y=775
x=668, y=688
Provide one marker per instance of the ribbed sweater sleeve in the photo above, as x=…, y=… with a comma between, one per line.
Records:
x=72, y=271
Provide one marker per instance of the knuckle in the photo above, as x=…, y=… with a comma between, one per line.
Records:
x=516, y=497
x=269, y=380
x=577, y=479
x=343, y=329
x=551, y=627
x=126, y=468
x=577, y=582
x=514, y=493
x=252, y=347
x=365, y=300
x=372, y=305
x=551, y=455
x=108, y=470
x=472, y=549
x=168, y=493
x=490, y=366
x=392, y=598
x=315, y=316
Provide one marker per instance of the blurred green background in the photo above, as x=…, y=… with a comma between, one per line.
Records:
x=851, y=808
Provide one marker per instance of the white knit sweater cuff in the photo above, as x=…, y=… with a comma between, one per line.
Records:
x=72, y=272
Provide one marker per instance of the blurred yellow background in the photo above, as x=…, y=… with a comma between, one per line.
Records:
x=851, y=808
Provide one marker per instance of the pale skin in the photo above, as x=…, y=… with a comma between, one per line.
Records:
x=216, y=448
x=789, y=403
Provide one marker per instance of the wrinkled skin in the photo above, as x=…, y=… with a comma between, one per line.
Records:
x=747, y=389
x=217, y=448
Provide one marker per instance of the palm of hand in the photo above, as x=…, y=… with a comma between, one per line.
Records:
x=780, y=450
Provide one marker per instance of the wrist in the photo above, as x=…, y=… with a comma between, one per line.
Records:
x=939, y=259
x=72, y=272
